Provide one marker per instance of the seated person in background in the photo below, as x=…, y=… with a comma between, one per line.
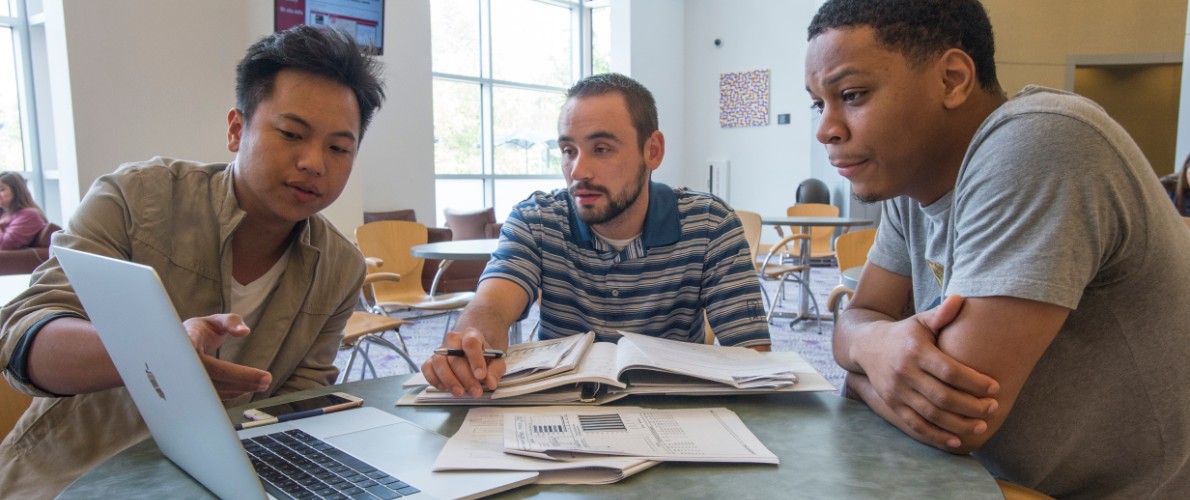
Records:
x=614, y=251
x=20, y=218
x=266, y=283
x=1063, y=366
x=1177, y=185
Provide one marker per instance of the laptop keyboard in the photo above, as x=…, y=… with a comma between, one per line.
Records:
x=293, y=464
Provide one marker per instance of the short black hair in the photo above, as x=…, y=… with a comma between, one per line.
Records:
x=920, y=29
x=324, y=52
x=641, y=106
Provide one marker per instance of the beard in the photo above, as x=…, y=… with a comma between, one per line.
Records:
x=616, y=204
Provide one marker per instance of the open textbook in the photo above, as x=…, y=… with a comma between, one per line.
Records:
x=636, y=364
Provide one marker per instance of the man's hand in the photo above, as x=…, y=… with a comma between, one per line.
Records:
x=469, y=373
x=924, y=391
x=230, y=380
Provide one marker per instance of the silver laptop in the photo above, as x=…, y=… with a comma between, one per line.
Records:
x=145, y=339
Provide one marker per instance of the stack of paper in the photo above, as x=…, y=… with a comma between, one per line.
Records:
x=479, y=445
x=686, y=435
x=536, y=360
x=597, y=445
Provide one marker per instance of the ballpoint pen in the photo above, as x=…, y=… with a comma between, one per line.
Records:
x=487, y=353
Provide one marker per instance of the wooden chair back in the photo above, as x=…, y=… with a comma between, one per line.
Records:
x=752, y=225
x=390, y=242
x=851, y=249
x=820, y=236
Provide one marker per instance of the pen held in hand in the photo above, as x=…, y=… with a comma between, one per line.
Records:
x=487, y=353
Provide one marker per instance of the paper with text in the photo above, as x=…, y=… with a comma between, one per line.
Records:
x=479, y=445
x=686, y=435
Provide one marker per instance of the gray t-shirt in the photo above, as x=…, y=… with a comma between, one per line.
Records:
x=1055, y=203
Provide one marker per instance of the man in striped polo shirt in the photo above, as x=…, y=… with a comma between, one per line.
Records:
x=613, y=251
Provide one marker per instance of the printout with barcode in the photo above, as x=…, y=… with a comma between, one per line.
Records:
x=687, y=435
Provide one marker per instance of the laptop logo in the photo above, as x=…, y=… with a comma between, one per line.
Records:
x=153, y=381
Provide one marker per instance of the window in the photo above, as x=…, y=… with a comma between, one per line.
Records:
x=501, y=69
x=22, y=58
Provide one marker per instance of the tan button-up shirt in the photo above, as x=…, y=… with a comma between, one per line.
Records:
x=177, y=217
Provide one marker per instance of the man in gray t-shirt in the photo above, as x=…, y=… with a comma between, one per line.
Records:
x=1065, y=364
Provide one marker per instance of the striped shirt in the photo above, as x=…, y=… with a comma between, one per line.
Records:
x=691, y=257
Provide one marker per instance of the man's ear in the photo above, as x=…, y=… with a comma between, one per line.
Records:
x=235, y=129
x=958, y=77
x=654, y=150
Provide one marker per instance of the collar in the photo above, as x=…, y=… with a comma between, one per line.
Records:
x=230, y=215
x=662, y=226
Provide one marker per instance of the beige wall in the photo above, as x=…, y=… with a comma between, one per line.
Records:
x=1035, y=38
x=1139, y=97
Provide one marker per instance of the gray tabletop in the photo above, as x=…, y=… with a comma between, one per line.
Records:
x=456, y=250
x=829, y=448
x=815, y=221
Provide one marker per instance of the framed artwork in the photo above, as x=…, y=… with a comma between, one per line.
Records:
x=744, y=99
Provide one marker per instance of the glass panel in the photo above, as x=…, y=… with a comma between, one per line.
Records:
x=601, y=40
x=461, y=194
x=12, y=151
x=526, y=131
x=509, y=192
x=531, y=43
x=454, y=36
x=6, y=8
x=457, y=129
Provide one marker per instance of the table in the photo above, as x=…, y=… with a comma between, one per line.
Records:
x=450, y=251
x=12, y=285
x=806, y=223
x=829, y=447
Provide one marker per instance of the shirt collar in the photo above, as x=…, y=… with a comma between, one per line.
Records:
x=661, y=219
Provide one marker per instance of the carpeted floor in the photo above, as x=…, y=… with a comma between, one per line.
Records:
x=803, y=337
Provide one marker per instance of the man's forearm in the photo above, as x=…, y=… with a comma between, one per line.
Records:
x=489, y=319
x=67, y=357
x=851, y=330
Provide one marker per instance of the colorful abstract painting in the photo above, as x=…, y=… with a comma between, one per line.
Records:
x=744, y=99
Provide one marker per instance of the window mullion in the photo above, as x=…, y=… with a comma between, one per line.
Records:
x=28, y=103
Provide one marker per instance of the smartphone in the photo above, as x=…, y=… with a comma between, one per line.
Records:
x=330, y=402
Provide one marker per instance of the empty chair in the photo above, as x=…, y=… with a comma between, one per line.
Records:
x=851, y=251
x=365, y=328
x=820, y=236
x=771, y=265
x=390, y=242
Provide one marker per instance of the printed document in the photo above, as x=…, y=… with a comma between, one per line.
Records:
x=685, y=435
x=479, y=445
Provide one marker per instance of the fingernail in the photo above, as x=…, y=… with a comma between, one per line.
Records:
x=479, y=374
x=456, y=391
x=993, y=407
x=954, y=443
x=981, y=428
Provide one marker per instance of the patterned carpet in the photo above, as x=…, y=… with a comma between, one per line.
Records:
x=803, y=337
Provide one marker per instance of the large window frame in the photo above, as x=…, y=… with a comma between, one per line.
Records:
x=20, y=22
x=581, y=66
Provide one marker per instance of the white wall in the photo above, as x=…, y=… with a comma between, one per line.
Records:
x=647, y=46
x=136, y=79
x=767, y=162
x=132, y=79
x=1183, y=144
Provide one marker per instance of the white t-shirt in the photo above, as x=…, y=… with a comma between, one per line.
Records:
x=248, y=300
